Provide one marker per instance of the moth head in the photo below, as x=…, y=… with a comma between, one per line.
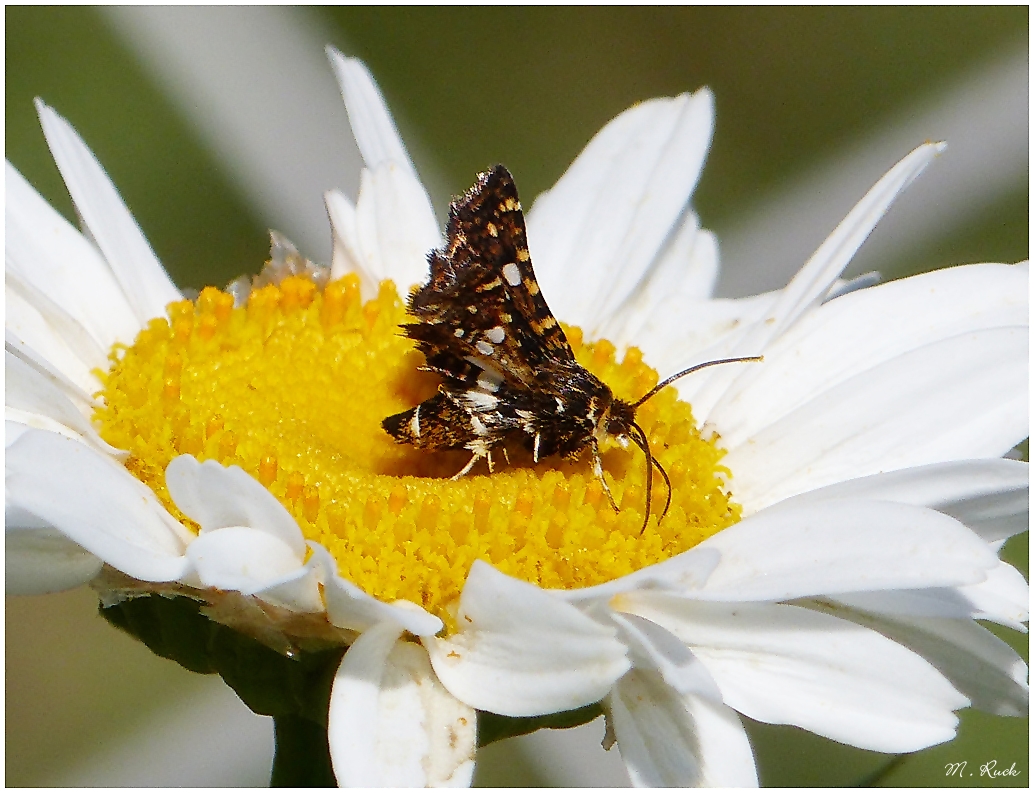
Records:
x=618, y=419
x=621, y=423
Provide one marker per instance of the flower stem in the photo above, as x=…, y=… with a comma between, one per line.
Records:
x=302, y=755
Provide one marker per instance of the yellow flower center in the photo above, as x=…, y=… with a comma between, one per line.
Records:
x=293, y=388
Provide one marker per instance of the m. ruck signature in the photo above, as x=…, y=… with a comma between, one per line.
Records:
x=988, y=769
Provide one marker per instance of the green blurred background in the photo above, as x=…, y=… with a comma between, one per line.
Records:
x=803, y=97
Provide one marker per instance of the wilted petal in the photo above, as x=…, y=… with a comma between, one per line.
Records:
x=672, y=740
x=522, y=652
x=391, y=722
x=138, y=271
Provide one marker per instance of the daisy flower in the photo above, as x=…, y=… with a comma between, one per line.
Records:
x=836, y=510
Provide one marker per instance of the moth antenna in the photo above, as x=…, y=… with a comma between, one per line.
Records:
x=651, y=462
x=669, y=380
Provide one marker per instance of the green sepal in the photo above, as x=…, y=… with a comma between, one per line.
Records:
x=269, y=683
x=492, y=727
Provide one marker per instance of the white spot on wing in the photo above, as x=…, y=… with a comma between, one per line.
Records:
x=484, y=347
x=478, y=426
x=559, y=404
x=496, y=334
x=489, y=380
x=511, y=273
x=458, y=333
x=488, y=370
x=480, y=400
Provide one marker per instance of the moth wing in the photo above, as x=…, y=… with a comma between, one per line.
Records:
x=482, y=303
x=451, y=420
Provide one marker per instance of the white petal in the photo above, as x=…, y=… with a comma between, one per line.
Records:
x=929, y=602
x=845, y=337
x=241, y=559
x=810, y=286
x=522, y=652
x=350, y=607
x=347, y=257
x=670, y=276
x=956, y=399
x=96, y=503
x=217, y=496
x=688, y=570
x=32, y=392
x=689, y=262
x=842, y=546
x=1003, y=598
x=40, y=560
x=12, y=432
x=787, y=665
x=979, y=664
x=668, y=740
x=395, y=224
x=669, y=329
x=298, y=590
x=991, y=497
x=653, y=648
x=46, y=250
x=30, y=326
x=391, y=723
x=375, y=132
x=139, y=273
x=616, y=205
x=16, y=346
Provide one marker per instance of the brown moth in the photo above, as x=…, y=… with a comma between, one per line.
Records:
x=508, y=372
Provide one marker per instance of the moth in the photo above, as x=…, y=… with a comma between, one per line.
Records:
x=508, y=372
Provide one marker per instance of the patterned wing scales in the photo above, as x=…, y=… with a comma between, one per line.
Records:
x=482, y=303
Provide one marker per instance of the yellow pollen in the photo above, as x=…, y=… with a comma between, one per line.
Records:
x=293, y=388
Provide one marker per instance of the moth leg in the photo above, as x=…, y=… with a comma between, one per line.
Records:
x=480, y=449
x=470, y=464
x=506, y=455
x=597, y=469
